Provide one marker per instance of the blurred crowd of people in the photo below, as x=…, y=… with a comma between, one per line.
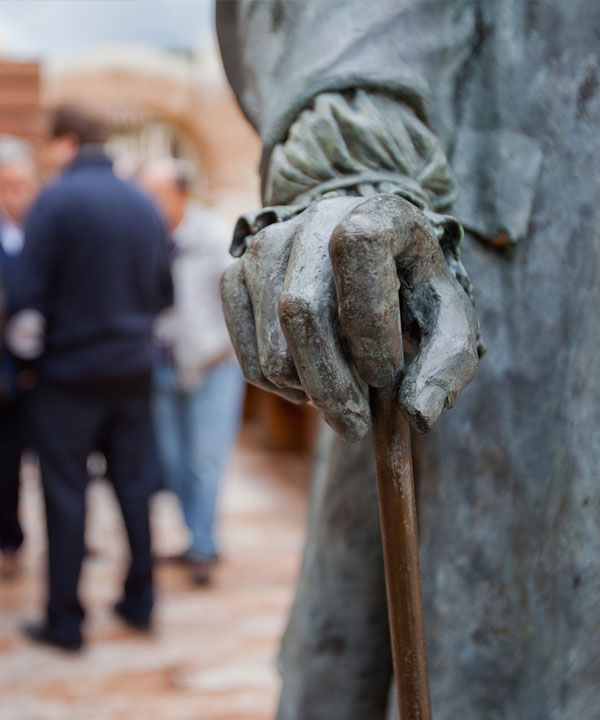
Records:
x=113, y=341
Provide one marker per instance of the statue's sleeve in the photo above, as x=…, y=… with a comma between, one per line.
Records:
x=349, y=99
x=279, y=56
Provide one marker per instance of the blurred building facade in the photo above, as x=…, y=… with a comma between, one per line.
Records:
x=20, y=99
x=158, y=103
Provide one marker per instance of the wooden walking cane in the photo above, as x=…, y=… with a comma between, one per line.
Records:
x=391, y=438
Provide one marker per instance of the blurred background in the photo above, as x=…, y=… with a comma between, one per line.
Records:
x=153, y=72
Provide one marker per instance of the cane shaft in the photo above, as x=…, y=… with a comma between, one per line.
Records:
x=391, y=437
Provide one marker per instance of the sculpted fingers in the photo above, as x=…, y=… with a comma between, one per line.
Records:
x=448, y=357
x=389, y=238
x=308, y=314
x=265, y=264
x=367, y=287
x=318, y=296
x=239, y=318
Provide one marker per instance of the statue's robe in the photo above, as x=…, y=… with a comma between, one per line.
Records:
x=509, y=480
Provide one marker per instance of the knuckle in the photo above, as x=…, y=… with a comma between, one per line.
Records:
x=278, y=367
x=354, y=227
x=295, y=311
x=465, y=354
x=256, y=247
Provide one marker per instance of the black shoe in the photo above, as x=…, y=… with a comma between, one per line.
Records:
x=45, y=635
x=185, y=558
x=176, y=559
x=140, y=624
x=201, y=571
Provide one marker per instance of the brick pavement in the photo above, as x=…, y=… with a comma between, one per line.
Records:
x=212, y=656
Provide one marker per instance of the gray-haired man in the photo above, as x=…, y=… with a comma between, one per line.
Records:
x=18, y=184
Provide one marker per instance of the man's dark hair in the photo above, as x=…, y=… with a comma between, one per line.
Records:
x=79, y=122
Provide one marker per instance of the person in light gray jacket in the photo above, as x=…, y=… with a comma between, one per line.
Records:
x=198, y=385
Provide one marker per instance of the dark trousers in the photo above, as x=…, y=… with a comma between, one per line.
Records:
x=67, y=423
x=11, y=448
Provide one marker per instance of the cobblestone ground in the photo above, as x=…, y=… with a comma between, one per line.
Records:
x=212, y=655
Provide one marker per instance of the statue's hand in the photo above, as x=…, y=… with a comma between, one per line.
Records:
x=313, y=308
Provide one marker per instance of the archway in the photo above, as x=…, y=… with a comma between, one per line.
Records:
x=133, y=87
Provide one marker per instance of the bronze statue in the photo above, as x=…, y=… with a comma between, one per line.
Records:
x=377, y=120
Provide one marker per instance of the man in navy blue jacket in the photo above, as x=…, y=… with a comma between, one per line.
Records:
x=93, y=275
x=18, y=184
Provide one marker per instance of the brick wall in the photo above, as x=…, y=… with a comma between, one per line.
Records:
x=20, y=111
